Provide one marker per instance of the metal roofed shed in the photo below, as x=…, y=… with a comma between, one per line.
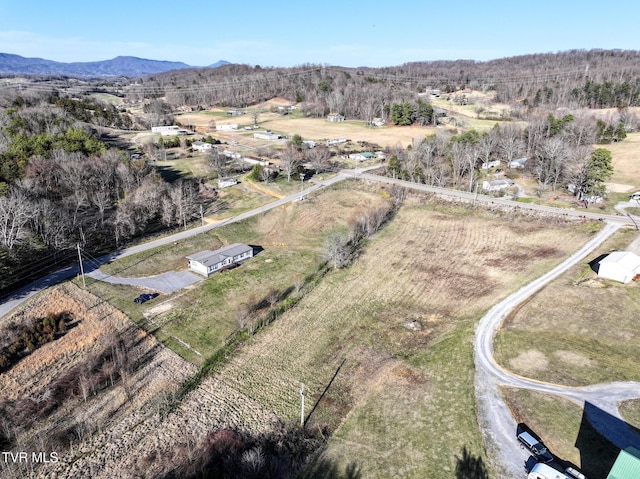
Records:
x=621, y=266
x=627, y=465
x=208, y=262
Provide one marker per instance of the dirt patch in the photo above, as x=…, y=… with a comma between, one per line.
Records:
x=573, y=359
x=529, y=361
x=619, y=188
x=158, y=309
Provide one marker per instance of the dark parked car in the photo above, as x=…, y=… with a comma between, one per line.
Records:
x=144, y=297
x=538, y=449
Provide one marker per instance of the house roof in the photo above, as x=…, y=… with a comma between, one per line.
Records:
x=623, y=259
x=501, y=182
x=208, y=257
x=521, y=161
x=627, y=465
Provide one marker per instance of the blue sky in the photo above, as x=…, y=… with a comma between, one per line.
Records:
x=287, y=33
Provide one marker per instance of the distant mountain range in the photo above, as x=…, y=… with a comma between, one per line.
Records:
x=119, y=66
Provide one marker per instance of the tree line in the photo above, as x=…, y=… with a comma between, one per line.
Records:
x=558, y=152
x=60, y=185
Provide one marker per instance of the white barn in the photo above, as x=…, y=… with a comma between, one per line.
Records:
x=208, y=262
x=621, y=266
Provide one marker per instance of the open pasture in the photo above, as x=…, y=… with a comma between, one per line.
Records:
x=579, y=330
x=196, y=321
x=384, y=348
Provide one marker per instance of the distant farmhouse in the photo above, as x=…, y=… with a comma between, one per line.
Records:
x=201, y=146
x=208, y=262
x=235, y=112
x=229, y=127
x=489, y=164
x=497, y=185
x=518, y=163
x=266, y=135
x=336, y=141
x=335, y=118
x=172, y=130
x=226, y=182
x=366, y=155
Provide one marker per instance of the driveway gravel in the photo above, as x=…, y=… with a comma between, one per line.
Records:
x=163, y=283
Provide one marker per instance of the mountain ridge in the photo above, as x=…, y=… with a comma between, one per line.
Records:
x=119, y=66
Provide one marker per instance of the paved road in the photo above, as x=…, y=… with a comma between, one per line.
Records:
x=28, y=291
x=497, y=423
x=484, y=199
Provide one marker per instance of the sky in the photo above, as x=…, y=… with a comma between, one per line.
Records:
x=286, y=33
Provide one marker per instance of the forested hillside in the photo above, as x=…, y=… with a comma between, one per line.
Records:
x=60, y=185
x=573, y=79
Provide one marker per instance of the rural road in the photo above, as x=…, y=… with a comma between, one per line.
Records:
x=496, y=421
x=17, y=298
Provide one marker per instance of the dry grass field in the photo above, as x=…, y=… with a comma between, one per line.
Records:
x=203, y=315
x=309, y=129
x=579, y=330
x=396, y=331
x=626, y=161
x=124, y=430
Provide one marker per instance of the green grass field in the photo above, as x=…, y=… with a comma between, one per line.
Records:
x=396, y=330
x=199, y=318
x=579, y=330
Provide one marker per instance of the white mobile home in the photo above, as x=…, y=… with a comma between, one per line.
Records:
x=165, y=130
x=208, y=262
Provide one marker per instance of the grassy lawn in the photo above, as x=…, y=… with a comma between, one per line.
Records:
x=577, y=331
x=630, y=411
x=395, y=332
x=626, y=167
x=189, y=167
x=195, y=321
x=564, y=430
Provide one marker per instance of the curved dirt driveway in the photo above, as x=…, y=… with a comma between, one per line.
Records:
x=497, y=424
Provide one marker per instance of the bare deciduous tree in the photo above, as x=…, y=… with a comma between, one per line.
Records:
x=217, y=162
x=339, y=251
x=290, y=160
x=15, y=212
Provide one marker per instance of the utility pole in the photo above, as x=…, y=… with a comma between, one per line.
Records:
x=302, y=407
x=301, y=185
x=201, y=215
x=84, y=285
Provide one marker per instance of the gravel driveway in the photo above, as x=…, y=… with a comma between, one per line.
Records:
x=164, y=283
x=498, y=426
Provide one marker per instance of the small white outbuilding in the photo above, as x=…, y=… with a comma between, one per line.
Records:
x=620, y=266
